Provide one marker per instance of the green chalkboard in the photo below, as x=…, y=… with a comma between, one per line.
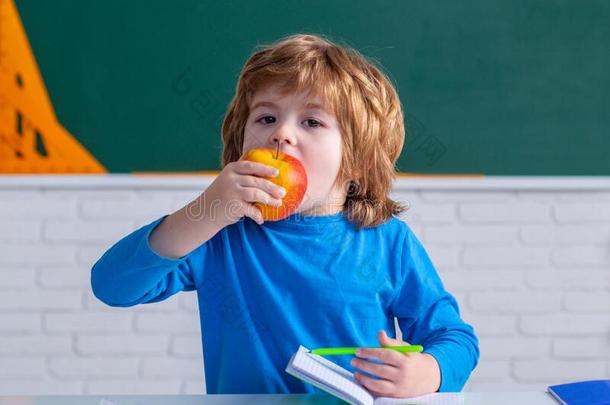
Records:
x=509, y=87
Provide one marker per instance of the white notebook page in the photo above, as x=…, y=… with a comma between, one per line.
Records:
x=330, y=375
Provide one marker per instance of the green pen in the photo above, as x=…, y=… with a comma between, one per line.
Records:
x=325, y=351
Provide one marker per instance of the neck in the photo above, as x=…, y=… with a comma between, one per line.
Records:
x=333, y=204
x=319, y=211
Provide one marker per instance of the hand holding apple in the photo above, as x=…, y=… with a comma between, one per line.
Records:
x=234, y=192
x=292, y=177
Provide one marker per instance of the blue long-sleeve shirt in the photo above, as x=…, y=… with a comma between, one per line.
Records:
x=313, y=280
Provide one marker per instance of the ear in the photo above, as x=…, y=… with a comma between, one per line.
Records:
x=353, y=188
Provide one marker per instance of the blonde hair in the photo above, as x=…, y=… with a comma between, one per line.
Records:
x=360, y=96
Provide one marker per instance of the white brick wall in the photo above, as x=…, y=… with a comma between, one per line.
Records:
x=528, y=260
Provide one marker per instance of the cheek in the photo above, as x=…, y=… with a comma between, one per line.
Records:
x=247, y=138
x=322, y=164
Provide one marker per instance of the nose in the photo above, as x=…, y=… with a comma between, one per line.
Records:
x=282, y=134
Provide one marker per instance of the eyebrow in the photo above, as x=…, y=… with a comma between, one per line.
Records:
x=263, y=104
x=314, y=106
x=311, y=106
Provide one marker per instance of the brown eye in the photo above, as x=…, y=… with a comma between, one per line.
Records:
x=313, y=123
x=264, y=119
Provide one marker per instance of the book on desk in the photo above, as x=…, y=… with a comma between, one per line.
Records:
x=593, y=392
x=336, y=380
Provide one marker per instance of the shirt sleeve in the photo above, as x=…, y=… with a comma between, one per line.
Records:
x=131, y=272
x=429, y=315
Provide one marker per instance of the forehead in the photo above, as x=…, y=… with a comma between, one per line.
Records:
x=275, y=93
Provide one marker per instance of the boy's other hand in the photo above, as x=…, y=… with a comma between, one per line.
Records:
x=401, y=375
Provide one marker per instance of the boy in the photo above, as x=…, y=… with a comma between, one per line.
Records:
x=336, y=272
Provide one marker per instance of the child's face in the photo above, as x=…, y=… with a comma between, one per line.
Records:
x=305, y=131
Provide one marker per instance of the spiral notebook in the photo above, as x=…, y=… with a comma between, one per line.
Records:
x=336, y=380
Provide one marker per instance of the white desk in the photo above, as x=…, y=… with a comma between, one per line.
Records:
x=470, y=398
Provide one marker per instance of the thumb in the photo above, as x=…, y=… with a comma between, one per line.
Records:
x=385, y=340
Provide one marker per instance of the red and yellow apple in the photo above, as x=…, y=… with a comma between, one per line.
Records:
x=292, y=177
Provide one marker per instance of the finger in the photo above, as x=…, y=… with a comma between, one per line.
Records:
x=251, y=194
x=251, y=211
x=385, y=340
x=387, y=356
x=264, y=184
x=254, y=168
x=386, y=371
x=379, y=386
